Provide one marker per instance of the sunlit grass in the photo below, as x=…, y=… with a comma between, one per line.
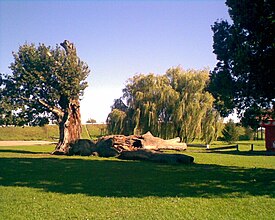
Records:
x=47, y=132
x=220, y=185
x=28, y=203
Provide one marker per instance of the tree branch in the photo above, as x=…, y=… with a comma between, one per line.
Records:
x=54, y=109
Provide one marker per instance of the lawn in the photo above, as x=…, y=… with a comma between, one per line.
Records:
x=47, y=132
x=219, y=185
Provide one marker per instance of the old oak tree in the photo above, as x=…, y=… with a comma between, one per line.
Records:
x=47, y=83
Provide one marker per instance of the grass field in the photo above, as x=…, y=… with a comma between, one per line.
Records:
x=220, y=185
x=47, y=132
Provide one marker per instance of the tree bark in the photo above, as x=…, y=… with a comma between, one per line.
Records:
x=69, y=128
x=113, y=145
x=151, y=155
x=133, y=147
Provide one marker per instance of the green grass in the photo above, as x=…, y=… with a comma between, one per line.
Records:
x=28, y=133
x=220, y=185
x=93, y=130
x=47, y=132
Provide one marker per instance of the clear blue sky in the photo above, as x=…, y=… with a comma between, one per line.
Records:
x=116, y=38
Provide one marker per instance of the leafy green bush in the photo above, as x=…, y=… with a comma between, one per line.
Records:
x=248, y=134
x=231, y=132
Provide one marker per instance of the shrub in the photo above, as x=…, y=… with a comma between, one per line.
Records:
x=230, y=132
x=248, y=134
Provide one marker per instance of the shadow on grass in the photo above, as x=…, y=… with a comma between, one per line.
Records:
x=244, y=153
x=134, y=179
x=21, y=152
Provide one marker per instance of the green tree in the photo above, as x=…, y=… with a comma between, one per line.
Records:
x=6, y=113
x=91, y=120
x=150, y=100
x=211, y=126
x=119, y=104
x=246, y=133
x=169, y=105
x=252, y=117
x=116, y=122
x=193, y=101
x=244, y=74
x=47, y=83
x=230, y=132
x=2, y=115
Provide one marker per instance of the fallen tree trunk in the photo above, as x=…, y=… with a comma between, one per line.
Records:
x=133, y=147
x=133, y=142
x=150, y=155
x=155, y=143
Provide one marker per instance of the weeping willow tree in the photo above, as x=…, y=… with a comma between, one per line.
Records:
x=175, y=104
x=142, y=95
x=116, y=121
x=167, y=105
x=193, y=101
x=211, y=125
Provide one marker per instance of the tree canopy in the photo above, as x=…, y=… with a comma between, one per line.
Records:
x=169, y=105
x=43, y=81
x=244, y=74
x=46, y=83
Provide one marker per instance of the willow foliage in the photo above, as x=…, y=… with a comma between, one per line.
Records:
x=193, y=101
x=116, y=121
x=175, y=104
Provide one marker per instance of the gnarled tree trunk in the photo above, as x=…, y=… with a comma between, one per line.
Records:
x=69, y=128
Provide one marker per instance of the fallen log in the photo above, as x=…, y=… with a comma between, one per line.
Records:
x=155, y=143
x=133, y=147
x=113, y=145
x=150, y=155
x=82, y=147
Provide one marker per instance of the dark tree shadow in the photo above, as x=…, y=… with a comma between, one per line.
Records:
x=243, y=153
x=135, y=179
x=21, y=151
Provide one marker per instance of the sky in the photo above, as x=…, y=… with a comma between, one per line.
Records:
x=117, y=39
